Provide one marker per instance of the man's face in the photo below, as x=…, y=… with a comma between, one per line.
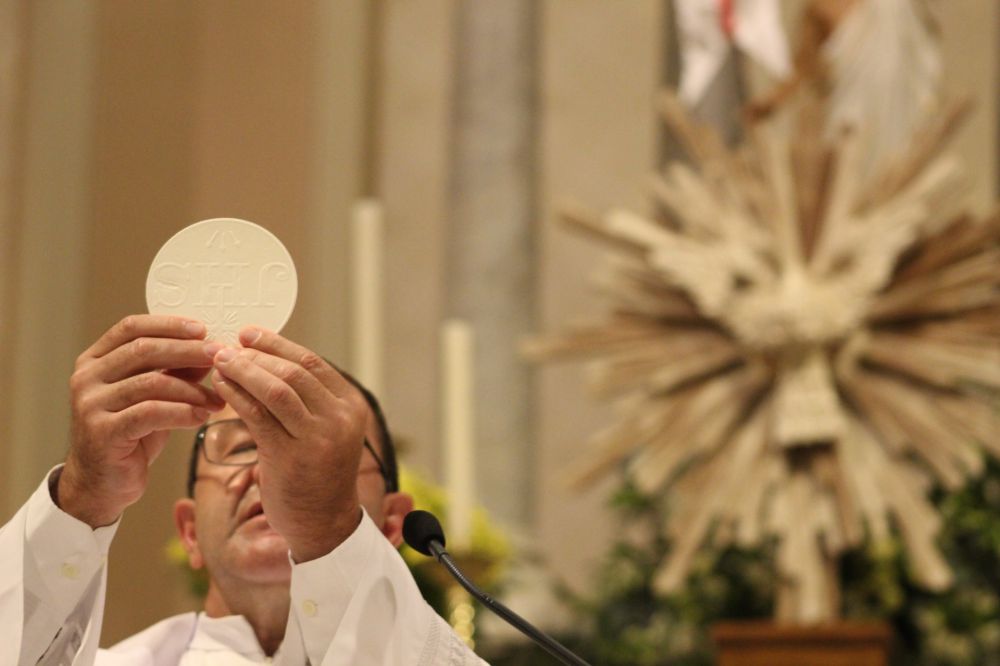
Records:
x=231, y=534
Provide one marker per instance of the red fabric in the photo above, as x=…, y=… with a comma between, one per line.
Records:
x=726, y=17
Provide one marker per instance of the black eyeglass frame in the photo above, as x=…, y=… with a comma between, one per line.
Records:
x=199, y=443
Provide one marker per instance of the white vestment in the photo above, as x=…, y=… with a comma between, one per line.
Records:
x=357, y=605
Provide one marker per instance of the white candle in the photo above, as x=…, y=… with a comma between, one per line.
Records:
x=457, y=422
x=366, y=293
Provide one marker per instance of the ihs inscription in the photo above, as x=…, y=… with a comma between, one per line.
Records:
x=217, y=284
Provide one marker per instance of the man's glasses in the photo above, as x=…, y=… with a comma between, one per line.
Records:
x=228, y=442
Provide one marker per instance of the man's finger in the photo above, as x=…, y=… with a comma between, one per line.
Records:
x=276, y=345
x=151, y=416
x=261, y=423
x=313, y=393
x=153, y=445
x=146, y=326
x=144, y=354
x=193, y=375
x=276, y=396
x=155, y=385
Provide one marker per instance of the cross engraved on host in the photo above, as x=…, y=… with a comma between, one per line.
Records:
x=223, y=239
x=223, y=325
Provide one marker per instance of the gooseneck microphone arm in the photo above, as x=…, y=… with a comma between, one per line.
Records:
x=551, y=645
x=423, y=533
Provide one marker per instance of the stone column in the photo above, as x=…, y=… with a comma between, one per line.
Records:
x=490, y=245
x=413, y=108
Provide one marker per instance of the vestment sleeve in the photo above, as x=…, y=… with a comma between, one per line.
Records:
x=51, y=584
x=359, y=605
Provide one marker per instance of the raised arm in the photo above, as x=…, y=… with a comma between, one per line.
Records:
x=133, y=385
x=352, y=597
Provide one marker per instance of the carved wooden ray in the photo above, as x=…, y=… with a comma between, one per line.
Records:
x=795, y=354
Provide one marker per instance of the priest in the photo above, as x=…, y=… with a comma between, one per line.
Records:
x=292, y=508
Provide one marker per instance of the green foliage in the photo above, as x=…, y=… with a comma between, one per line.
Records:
x=488, y=540
x=489, y=544
x=961, y=626
x=195, y=579
x=624, y=621
x=627, y=622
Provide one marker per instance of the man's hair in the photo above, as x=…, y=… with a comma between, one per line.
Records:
x=387, y=449
x=387, y=452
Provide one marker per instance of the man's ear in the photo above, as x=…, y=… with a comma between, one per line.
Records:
x=395, y=506
x=184, y=522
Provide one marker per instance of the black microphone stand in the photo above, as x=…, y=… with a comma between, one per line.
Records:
x=549, y=644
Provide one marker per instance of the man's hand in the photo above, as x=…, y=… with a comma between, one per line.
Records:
x=133, y=385
x=309, y=424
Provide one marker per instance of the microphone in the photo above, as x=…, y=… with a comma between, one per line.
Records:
x=423, y=533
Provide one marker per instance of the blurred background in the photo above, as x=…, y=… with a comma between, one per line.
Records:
x=122, y=122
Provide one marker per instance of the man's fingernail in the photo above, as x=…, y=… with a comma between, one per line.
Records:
x=249, y=336
x=213, y=348
x=194, y=328
x=225, y=355
x=200, y=414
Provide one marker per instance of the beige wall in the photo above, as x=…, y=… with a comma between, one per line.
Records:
x=52, y=163
x=138, y=119
x=142, y=192
x=12, y=20
x=970, y=32
x=122, y=122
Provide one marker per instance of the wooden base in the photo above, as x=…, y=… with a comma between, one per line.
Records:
x=770, y=644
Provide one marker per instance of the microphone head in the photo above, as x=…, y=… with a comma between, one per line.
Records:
x=419, y=529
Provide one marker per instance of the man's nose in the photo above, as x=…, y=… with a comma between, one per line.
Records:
x=255, y=473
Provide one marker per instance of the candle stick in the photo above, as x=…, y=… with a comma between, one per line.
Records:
x=366, y=293
x=457, y=420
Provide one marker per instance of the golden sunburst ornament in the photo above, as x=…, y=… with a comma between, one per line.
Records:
x=794, y=354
